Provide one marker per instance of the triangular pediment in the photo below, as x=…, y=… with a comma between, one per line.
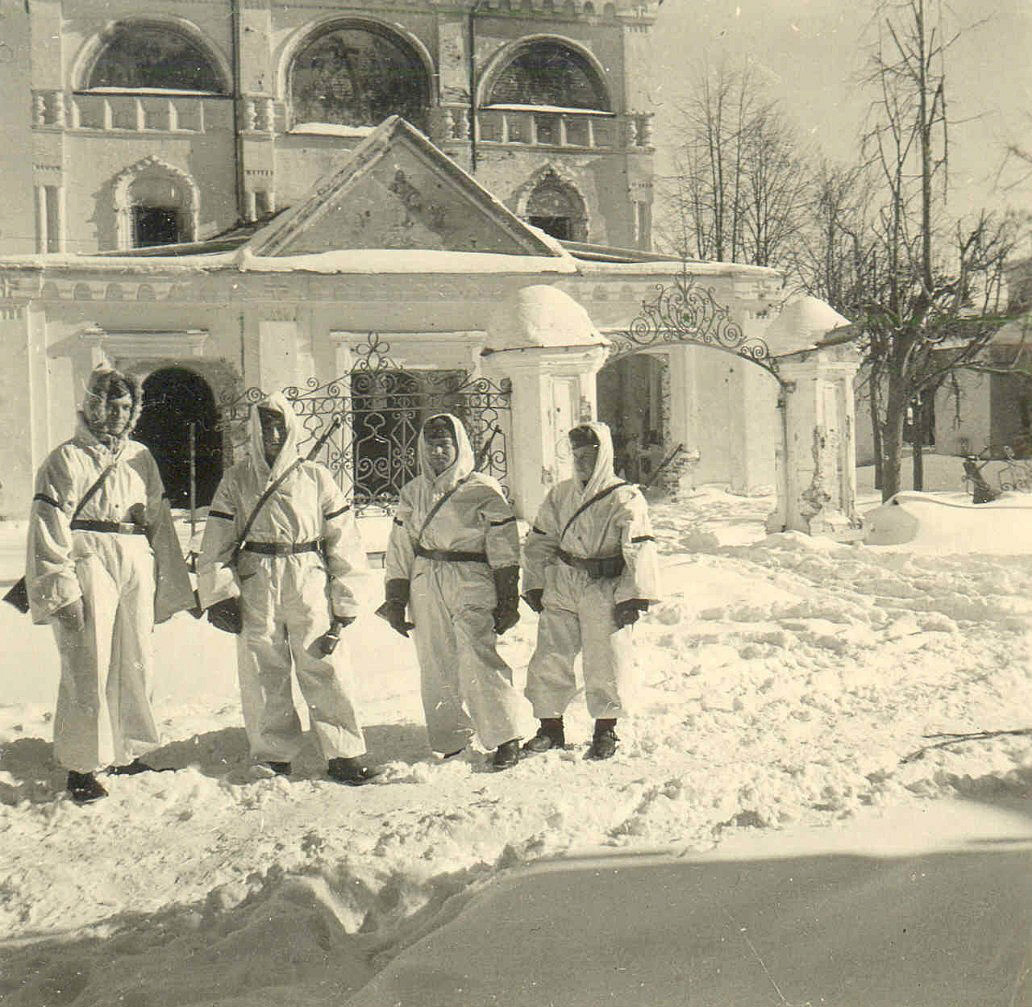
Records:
x=396, y=190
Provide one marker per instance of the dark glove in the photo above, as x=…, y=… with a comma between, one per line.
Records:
x=327, y=643
x=626, y=613
x=507, y=593
x=393, y=609
x=226, y=615
x=534, y=597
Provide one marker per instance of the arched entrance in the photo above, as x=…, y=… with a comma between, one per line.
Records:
x=814, y=451
x=630, y=396
x=173, y=399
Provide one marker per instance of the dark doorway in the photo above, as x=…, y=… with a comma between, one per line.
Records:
x=155, y=225
x=173, y=398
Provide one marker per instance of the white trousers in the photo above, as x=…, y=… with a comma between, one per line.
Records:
x=285, y=610
x=465, y=685
x=104, y=715
x=578, y=617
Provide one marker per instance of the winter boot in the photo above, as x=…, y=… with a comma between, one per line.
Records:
x=549, y=735
x=354, y=771
x=506, y=755
x=85, y=787
x=132, y=769
x=603, y=744
x=279, y=768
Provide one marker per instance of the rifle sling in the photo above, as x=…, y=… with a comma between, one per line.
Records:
x=92, y=491
x=262, y=501
x=584, y=506
x=436, y=507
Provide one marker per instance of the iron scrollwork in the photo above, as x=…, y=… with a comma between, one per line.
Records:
x=687, y=312
x=382, y=407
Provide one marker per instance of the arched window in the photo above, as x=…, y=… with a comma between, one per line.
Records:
x=151, y=56
x=557, y=209
x=155, y=204
x=357, y=75
x=549, y=73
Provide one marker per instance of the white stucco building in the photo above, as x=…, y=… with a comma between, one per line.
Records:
x=231, y=198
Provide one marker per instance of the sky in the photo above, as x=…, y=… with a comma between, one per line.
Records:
x=812, y=53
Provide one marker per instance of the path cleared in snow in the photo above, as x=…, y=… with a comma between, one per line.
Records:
x=784, y=681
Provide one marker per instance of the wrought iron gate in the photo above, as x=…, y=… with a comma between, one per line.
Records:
x=381, y=407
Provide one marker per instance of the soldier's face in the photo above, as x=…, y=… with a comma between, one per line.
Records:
x=274, y=433
x=442, y=452
x=584, y=460
x=117, y=413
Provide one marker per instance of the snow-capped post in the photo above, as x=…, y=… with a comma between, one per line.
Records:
x=544, y=342
x=816, y=461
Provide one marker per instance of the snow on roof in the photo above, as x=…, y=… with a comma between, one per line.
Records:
x=540, y=315
x=404, y=260
x=72, y=261
x=803, y=323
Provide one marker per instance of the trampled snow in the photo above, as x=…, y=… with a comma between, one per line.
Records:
x=785, y=682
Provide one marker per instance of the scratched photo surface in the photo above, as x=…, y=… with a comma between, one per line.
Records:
x=515, y=502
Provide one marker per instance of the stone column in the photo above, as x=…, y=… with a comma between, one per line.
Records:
x=552, y=389
x=816, y=473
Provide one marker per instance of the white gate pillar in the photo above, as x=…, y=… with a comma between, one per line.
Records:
x=553, y=389
x=544, y=342
x=816, y=469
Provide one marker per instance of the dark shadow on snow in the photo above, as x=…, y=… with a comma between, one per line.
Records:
x=30, y=762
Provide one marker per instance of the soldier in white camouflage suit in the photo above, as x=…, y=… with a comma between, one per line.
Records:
x=590, y=570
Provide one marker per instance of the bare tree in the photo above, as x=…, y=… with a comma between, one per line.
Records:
x=932, y=292
x=739, y=180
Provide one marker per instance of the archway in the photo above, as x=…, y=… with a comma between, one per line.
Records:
x=630, y=399
x=814, y=451
x=173, y=398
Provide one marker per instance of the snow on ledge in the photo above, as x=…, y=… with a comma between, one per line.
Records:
x=404, y=260
x=330, y=129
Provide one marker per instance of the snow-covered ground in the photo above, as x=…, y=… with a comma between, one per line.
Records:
x=785, y=683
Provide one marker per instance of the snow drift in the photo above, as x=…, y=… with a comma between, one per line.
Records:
x=951, y=523
x=783, y=682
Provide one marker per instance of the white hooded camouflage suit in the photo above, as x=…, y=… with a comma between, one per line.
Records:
x=451, y=603
x=578, y=608
x=286, y=600
x=128, y=569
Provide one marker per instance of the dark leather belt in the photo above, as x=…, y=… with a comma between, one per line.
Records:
x=596, y=567
x=451, y=555
x=112, y=527
x=280, y=548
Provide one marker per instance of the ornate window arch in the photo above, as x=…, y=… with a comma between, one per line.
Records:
x=546, y=70
x=155, y=203
x=551, y=200
x=152, y=53
x=355, y=72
